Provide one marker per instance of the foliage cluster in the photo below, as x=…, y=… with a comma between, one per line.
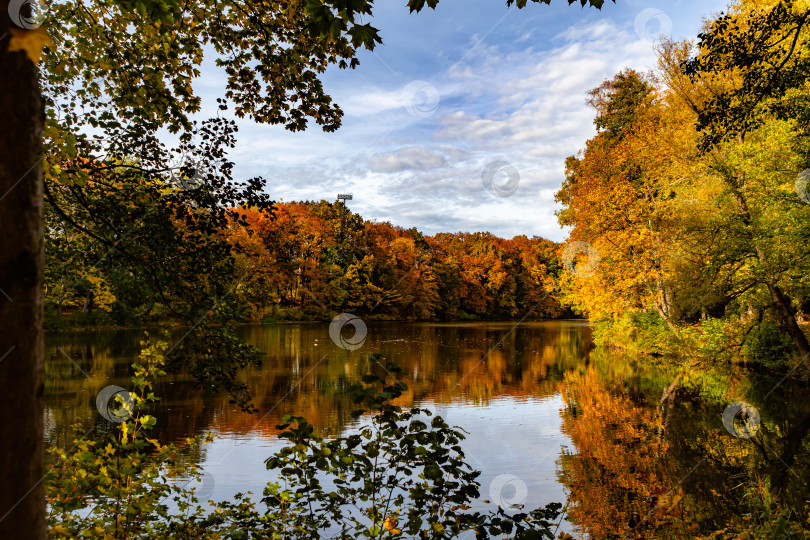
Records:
x=636, y=332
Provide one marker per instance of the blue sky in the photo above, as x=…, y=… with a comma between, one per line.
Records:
x=462, y=118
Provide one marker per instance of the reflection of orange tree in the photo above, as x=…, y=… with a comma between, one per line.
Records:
x=522, y=366
x=619, y=477
x=317, y=393
x=303, y=368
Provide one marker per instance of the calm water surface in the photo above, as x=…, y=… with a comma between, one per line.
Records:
x=559, y=419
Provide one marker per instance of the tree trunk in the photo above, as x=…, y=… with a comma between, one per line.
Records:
x=787, y=320
x=785, y=313
x=793, y=444
x=61, y=298
x=88, y=302
x=22, y=495
x=666, y=318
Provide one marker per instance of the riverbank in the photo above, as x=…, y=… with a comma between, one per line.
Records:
x=101, y=321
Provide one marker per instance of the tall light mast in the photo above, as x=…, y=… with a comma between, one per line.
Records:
x=343, y=197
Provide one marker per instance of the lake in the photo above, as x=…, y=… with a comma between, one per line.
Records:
x=549, y=417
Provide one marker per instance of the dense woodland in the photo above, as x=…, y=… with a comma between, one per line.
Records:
x=304, y=261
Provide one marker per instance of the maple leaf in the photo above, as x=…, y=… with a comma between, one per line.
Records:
x=30, y=41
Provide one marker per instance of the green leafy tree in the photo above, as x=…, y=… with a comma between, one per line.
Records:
x=760, y=52
x=759, y=48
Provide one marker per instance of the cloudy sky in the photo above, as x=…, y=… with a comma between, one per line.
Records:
x=462, y=119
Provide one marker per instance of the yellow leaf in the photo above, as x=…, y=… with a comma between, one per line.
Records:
x=30, y=41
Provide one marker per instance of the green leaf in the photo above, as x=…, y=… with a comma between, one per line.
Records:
x=433, y=472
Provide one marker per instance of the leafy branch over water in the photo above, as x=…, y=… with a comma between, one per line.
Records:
x=402, y=474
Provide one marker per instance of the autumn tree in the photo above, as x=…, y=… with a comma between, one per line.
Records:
x=690, y=230
x=616, y=196
x=761, y=50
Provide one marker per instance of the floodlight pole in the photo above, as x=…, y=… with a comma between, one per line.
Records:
x=343, y=197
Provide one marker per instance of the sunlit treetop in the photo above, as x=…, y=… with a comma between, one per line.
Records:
x=760, y=51
x=618, y=102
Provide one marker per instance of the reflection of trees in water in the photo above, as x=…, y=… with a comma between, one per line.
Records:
x=304, y=373
x=629, y=456
x=440, y=363
x=77, y=367
x=634, y=454
x=620, y=470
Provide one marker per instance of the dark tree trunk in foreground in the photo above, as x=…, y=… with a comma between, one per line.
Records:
x=22, y=497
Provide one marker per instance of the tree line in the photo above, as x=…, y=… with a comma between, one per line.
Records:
x=288, y=261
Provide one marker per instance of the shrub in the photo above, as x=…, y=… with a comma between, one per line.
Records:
x=768, y=345
x=636, y=331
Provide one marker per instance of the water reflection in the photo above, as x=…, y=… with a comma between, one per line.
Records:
x=500, y=386
x=305, y=373
x=655, y=462
x=546, y=414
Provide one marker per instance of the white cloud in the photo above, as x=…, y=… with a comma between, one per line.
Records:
x=373, y=102
x=408, y=158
